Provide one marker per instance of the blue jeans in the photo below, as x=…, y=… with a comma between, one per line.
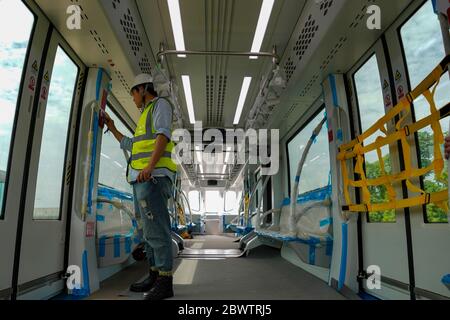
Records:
x=150, y=200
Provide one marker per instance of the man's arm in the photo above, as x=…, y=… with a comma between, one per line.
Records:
x=112, y=127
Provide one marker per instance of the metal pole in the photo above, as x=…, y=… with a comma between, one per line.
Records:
x=272, y=55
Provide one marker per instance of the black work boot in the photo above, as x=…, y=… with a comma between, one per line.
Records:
x=145, y=285
x=162, y=289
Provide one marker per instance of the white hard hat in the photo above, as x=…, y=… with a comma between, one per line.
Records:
x=143, y=78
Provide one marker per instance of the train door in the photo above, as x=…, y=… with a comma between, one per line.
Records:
x=51, y=141
x=20, y=53
x=384, y=242
x=416, y=44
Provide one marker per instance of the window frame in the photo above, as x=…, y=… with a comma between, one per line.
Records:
x=413, y=113
x=320, y=109
x=17, y=111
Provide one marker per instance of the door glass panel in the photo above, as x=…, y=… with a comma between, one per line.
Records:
x=54, y=138
x=18, y=21
x=113, y=165
x=371, y=108
x=194, y=200
x=213, y=202
x=424, y=49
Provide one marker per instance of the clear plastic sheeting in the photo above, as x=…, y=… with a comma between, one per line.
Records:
x=117, y=227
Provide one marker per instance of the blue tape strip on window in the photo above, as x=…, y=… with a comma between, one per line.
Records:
x=127, y=244
x=134, y=222
x=312, y=255
x=100, y=218
x=334, y=90
x=111, y=193
x=99, y=206
x=326, y=222
x=99, y=83
x=315, y=195
x=446, y=280
x=102, y=246
x=297, y=179
x=117, y=246
x=93, y=159
x=329, y=248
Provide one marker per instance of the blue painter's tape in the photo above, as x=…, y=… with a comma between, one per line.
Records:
x=312, y=255
x=297, y=179
x=117, y=246
x=99, y=83
x=286, y=202
x=435, y=9
x=329, y=247
x=111, y=193
x=134, y=222
x=99, y=206
x=127, y=244
x=343, y=270
x=340, y=135
x=334, y=90
x=85, y=291
x=326, y=222
x=315, y=195
x=446, y=280
x=102, y=246
x=93, y=159
x=100, y=218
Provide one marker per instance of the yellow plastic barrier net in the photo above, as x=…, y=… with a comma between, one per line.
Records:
x=355, y=150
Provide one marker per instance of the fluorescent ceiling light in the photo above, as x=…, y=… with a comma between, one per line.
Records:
x=189, y=101
x=263, y=21
x=242, y=98
x=177, y=25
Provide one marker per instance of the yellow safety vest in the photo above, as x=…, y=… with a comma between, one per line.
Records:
x=144, y=144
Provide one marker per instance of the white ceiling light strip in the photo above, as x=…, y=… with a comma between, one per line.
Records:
x=189, y=102
x=261, y=28
x=242, y=98
x=177, y=25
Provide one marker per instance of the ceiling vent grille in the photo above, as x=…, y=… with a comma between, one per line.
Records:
x=289, y=69
x=360, y=16
x=325, y=6
x=99, y=42
x=122, y=80
x=210, y=97
x=309, y=85
x=131, y=32
x=115, y=3
x=221, y=98
x=144, y=64
x=337, y=47
x=306, y=36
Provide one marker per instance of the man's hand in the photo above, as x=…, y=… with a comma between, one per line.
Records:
x=447, y=148
x=109, y=122
x=145, y=175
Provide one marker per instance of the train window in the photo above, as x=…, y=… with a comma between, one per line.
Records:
x=194, y=200
x=369, y=96
x=424, y=49
x=54, y=138
x=113, y=164
x=230, y=201
x=316, y=171
x=18, y=20
x=213, y=202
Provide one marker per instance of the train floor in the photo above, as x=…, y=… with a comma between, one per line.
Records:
x=263, y=275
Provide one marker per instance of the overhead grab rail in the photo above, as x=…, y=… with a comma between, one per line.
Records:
x=162, y=53
x=355, y=150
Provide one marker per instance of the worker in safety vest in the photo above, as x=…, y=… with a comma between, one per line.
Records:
x=151, y=172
